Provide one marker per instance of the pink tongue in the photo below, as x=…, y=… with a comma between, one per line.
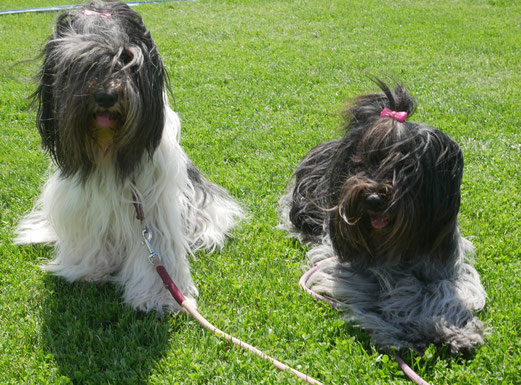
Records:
x=379, y=222
x=104, y=119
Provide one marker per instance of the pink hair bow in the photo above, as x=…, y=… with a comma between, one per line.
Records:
x=398, y=115
x=89, y=12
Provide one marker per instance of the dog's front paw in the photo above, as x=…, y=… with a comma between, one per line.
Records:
x=161, y=302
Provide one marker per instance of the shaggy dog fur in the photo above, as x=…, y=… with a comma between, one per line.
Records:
x=380, y=206
x=104, y=118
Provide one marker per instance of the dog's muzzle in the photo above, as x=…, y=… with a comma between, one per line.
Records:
x=107, y=113
x=375, y=205
x=375, y=202
x=105, y=99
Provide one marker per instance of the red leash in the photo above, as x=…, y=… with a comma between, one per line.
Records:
x=155, y=259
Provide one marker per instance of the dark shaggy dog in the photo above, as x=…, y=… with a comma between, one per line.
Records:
x=383, y=200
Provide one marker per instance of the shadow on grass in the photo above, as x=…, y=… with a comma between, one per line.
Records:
x=441, y=352
x=361, y=336
x=424, y=363
x=94, y=338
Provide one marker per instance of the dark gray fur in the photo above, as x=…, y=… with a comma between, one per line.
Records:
x=408, y=283
x=90, y=54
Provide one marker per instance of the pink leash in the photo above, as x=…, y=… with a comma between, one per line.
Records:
x=409, y=372
x=303, y=283
x=403, y=366
x=155, y=259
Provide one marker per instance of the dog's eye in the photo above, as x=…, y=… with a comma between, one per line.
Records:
x=131, y=57
x=125, y=58
x=384, y=190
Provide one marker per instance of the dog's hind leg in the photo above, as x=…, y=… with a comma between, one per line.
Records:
x=303, y=210
x=212, y=214
x=35, y=228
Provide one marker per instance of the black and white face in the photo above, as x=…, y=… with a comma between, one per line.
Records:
x=101, y=91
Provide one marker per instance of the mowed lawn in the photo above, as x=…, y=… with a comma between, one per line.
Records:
x=258, y=84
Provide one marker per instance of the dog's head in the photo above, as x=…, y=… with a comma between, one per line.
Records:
x=395, y=186
x=101, y=90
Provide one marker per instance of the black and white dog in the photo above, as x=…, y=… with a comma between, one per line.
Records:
x=383, y=201
x=105, y=120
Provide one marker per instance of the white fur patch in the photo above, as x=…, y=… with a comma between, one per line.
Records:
x=97, y=237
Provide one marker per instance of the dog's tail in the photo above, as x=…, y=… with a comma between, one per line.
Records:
x=366, y=109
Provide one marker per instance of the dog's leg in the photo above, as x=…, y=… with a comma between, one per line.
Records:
x=213, y=212
x=303, y=210
x=35, y=228
x=143, y=288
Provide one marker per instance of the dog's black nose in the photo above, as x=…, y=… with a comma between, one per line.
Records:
x=374, y=202
x=105, y=99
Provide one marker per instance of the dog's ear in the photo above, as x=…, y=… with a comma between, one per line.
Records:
x=43, y=97
x=151, y=80
x=445, y=177
x=443, y=172
x=155, y=76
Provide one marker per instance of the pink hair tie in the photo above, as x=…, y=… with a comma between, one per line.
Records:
x=398, y=115
x=89, y=12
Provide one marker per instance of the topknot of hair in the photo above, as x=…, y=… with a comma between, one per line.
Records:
x=366, y=109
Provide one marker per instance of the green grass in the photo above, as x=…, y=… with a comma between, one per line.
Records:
x=257, y=84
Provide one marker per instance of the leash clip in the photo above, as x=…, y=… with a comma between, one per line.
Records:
x=147, y=237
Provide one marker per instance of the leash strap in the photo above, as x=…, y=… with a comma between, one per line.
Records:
x=409, y=372
x=170, y=285
x=155, y=259
x=303, y=283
